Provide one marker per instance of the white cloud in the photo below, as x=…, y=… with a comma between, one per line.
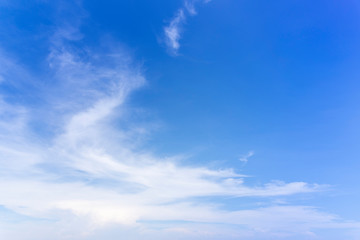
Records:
x=189, y=6
x=174, y=29
x=246, y=157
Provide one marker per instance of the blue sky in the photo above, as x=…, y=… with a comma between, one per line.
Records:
x=188, y=119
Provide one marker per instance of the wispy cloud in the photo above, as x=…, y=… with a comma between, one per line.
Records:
x=190, y=7
x=245, y=158
x=174, y=30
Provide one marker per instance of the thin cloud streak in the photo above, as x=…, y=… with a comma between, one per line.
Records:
x=246, y=157
x=174, y=30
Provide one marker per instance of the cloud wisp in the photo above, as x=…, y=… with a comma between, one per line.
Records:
x=174, y=30
x=245, y=158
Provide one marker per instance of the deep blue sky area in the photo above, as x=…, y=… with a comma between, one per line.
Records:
x=276, y=79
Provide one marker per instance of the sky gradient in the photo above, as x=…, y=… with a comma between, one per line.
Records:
x=184, y=119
